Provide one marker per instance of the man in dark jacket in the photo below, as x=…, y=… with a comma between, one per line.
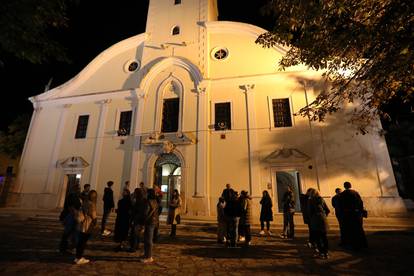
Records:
x=71, y=207
x=138, y=218
x=288, y=213
x=151, y=220
x=336, y=203
x=109, y=204
x=228, y=193
x=352, y=207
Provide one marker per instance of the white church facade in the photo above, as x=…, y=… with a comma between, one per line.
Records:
x=193, y=103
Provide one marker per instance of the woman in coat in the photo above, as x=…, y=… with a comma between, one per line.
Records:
x=318, y=212
x=174, y=210
x=266, y=213
x=87, y=221
x=123, y=219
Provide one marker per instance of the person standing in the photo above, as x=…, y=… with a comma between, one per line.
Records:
x=288, y=214
x=123, y=219
x=336, y=204
x=109, y=204
x=69, y=214
x=318, y=211
x=266, y=213
x=221, y=221
x=158, y=197
x=245, y=216
x=89, y=219
x=174, y=212
x=151, y=220
x=231, y=220
x=227, y=193
x=353, y=213
x=304, y=198
x=85, y=193
x=137, y=218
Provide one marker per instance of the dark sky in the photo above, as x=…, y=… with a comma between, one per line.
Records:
x=93, y=27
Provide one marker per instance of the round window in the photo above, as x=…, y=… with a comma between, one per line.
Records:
x=132, y=66
x=220, y=53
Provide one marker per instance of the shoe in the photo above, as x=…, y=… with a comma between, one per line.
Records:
x=81, y=261
x=262, y=233
x=148, y=260
x=282, y=236
x=269, y=233
x=106, y=233
x=242, y=239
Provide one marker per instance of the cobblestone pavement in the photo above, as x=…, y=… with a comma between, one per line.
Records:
x=28, y=247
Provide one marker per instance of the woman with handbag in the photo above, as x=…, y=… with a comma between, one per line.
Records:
x=87, y=220
x=174, y=212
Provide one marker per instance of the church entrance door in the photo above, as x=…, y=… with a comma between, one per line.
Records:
x=168, y=176
x=284, y=179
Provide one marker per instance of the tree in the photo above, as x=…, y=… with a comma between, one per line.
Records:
x=12, y=140
x=27, y=27
x=364, y=47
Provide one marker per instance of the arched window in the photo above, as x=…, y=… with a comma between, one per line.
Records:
x=177, y=2
x=176, y=30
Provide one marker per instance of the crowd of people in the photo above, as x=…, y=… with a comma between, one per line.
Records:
x=234, y=218
x=137, y=218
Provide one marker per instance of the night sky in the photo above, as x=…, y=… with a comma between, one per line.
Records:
x=93, y=27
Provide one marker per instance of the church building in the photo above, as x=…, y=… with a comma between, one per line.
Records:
x=193, y=104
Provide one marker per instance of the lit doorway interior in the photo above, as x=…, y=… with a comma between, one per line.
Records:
x=284, y=179
x=168, y=176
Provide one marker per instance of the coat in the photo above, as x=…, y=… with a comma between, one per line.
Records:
x=245, y=211
x=151, y=212
x=88, y=217
x=174, y=211
x=266, y=213
x=318, y=212
x=123, y=218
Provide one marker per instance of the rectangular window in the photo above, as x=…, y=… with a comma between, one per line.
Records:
x=82, y=127
x=281, y=113
x=125, y=123
x=222, y=114
x=177, y=2
x=170, y=114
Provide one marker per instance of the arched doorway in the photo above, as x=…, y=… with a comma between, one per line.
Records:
x=167, y=176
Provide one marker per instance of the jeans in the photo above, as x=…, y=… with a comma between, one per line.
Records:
x=148, y=240
x=321, y=241
x=247, y=233
x=80, y=248
x=70, y=230
x=135, y=236
x=105, y=219
x=231, y=223
x=262, y=225
x=288, y=225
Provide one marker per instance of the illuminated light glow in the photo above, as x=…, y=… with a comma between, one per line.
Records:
x=78, y=176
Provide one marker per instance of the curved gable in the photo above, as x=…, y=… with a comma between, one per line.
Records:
x=245, y=57
x=107, y=72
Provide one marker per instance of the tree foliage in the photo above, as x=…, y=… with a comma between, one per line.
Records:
x=12, y=141
x=26, y=27
x=364, y=47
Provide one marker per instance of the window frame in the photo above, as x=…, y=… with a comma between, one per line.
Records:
x=175, y=27
x=76, y=126
x=118, y=119
x=272, y=115
x=213, y=115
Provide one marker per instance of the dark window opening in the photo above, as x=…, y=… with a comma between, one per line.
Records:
x=82, y=127
x=170, y=115
x=177, y=2
x=222, y=113
x=125, y=123
x=176, y=30
x=281, y=113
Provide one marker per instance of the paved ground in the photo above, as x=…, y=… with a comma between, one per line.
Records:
x=28, y=246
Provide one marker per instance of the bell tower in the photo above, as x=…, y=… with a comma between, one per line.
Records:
x=175, y=28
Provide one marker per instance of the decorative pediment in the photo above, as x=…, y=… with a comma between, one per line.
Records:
x=287, y=156
x=168, y=141
x=74, y=162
